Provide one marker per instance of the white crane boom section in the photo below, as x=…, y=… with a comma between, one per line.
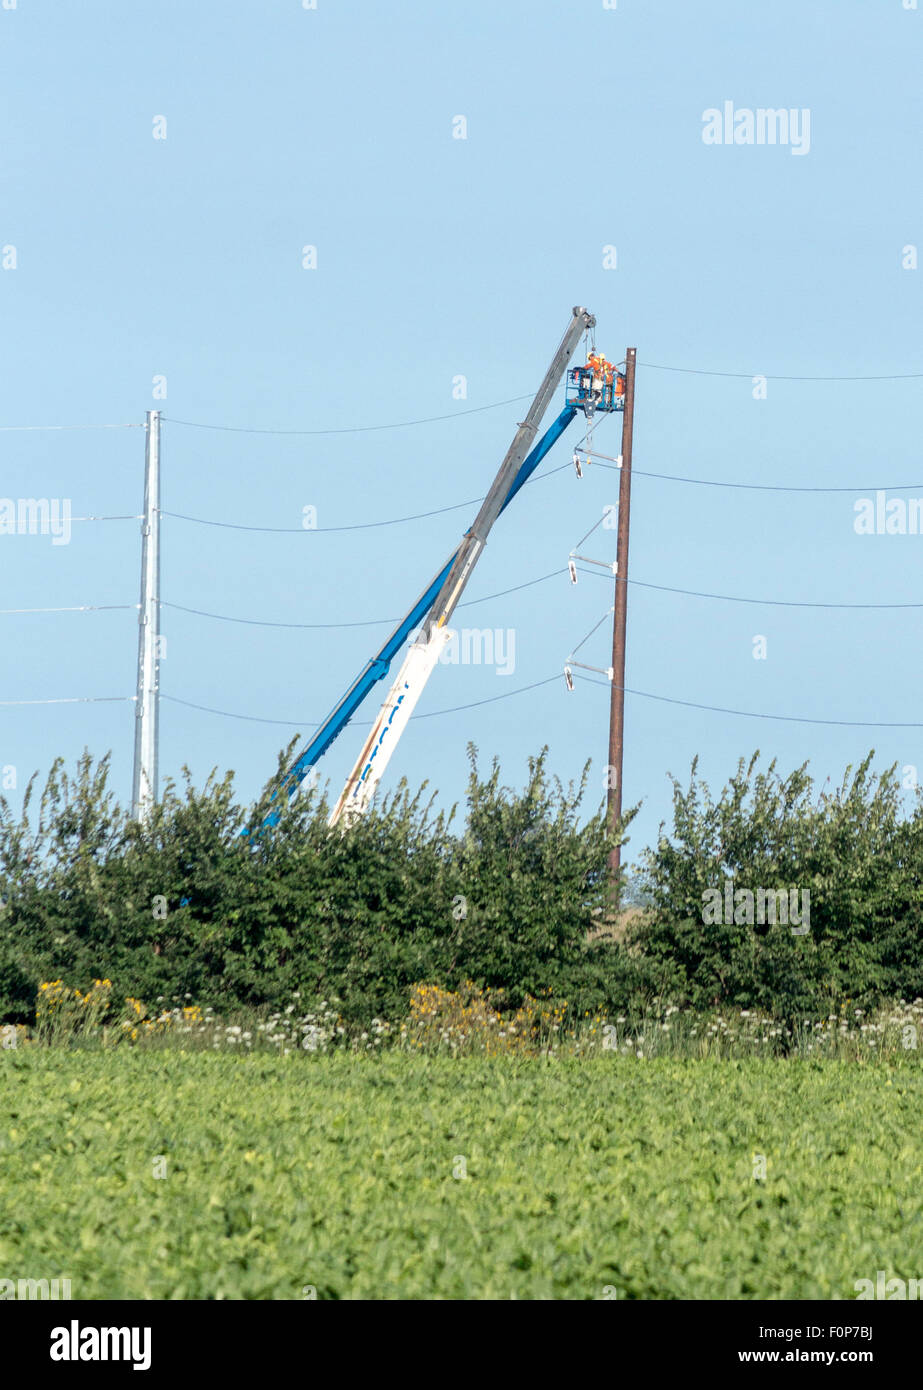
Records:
x=392, y=720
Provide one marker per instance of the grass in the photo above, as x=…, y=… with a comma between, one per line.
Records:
x=586, y=1177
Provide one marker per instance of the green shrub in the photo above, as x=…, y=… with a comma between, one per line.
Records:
x=185, y=904
x=850, y=849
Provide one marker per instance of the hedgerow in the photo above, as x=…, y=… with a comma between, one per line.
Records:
x=851, y=850
x=203, y=902
x=186, y=904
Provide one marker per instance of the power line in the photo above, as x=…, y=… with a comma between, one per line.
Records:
x=769, y=602
x=452, y=415
x=356, y=526
x=354, y=429
x=368, y=622
x=134, y=425
x=591, y=530
x=80, y=608
x=514, y=400
x=773, y=376
x=734, y=598
x=492, y=699
x=750, y=714
x=502, y=593
x=747, y=487
x=74, y=700
x=250, y=718
x=312, y=530
x=593, y=629
x=258, y=622
x=469, y=603
x=358, y=723
x=550, y=680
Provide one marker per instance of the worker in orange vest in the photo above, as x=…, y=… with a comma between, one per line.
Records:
x=597, y=365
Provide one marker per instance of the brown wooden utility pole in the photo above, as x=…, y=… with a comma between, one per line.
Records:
x=617, y=706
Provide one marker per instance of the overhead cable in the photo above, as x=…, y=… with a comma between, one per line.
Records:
x=616, y=466
x=751, y=714
x=355, y=526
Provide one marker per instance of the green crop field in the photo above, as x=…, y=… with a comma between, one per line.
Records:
x=392, y=1176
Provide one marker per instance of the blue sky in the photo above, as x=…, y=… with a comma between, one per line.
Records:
x=439, y=257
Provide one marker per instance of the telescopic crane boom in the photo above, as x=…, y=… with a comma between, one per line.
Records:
x=435, y=606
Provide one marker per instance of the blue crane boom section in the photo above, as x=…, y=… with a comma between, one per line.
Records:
x=377, y=668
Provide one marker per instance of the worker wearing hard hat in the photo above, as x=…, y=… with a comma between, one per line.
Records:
x=596, y=363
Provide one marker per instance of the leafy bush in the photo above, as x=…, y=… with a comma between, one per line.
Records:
x=186, y=905
x=850, y=850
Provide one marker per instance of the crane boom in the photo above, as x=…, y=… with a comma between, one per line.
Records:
x=434, y=607
x=420, y=661
x=500, y=492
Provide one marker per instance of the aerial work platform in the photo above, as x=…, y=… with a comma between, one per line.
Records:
x=597, y=385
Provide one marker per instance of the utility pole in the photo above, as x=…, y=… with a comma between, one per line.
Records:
x=617, y=706
x=145, y=775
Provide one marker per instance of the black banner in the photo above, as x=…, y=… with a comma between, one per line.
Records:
x=161, y=1340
